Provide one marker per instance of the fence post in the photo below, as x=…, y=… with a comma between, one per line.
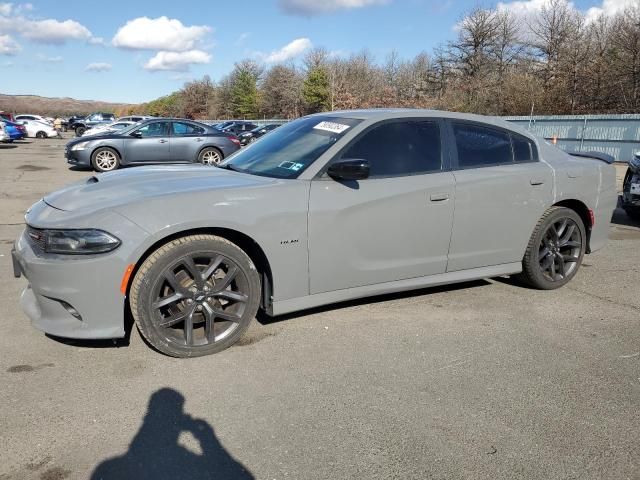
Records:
x=584, y=129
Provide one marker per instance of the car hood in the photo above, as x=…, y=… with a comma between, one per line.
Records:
x=135, y=185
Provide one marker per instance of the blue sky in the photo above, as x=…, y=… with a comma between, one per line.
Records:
x=127, y=51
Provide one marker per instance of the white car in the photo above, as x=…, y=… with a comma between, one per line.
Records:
x=3, y=134
x=27, y=116
x=39, y=129
x=108, y=128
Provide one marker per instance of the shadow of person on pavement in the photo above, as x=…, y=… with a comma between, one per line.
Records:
x=155, y=453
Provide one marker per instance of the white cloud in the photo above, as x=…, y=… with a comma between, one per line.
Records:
x=176, y=61
x=49, y=31
x=289, y=51
x=98, y=67
x=5, y=9
x=242, y=38
x=44, y=58
x=161, y=33
x=8, y=46
x=317, y=7
x=610, y=8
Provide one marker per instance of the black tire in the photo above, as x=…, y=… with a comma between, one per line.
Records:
x=168, y=274
x=546, y=252
x=105, y=159
x=210, y=156
x=41, y=135
x=80, y=130
x=633, y=213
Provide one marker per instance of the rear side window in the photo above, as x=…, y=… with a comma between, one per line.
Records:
x=180, y=128
x=399, y=148
x=480, y=146
x=523, y=149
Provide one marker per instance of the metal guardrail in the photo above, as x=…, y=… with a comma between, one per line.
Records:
x=616, y=135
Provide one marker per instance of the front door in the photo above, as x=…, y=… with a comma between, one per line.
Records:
x=151, y=146
x=394, y=225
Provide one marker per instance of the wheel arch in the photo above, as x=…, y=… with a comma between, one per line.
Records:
x=245, y=242
x=583, y=211
x=109, y=147
x=210, y=146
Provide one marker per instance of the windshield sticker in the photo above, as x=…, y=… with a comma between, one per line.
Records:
x=291, y=166
x=331, y=127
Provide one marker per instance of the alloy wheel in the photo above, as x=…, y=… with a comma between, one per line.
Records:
x=106, y=160
x=560, y=250
x=211, y=157
x=200, y=299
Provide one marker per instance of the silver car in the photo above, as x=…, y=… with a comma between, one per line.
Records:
x=327, y=208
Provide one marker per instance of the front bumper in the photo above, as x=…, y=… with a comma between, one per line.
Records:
x=71, y=297
x=78, y=157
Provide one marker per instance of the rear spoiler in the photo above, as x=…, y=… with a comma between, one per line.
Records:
x=604, y=157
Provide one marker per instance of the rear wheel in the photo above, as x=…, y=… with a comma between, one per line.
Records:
x=41, y=135
x=210, y=156
x=105, y=159
x=195, y=296
x=556, y=249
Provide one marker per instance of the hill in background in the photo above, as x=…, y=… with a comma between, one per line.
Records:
x=56, y=106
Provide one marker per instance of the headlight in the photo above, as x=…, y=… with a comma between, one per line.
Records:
x=80, y=146
x=75, y=242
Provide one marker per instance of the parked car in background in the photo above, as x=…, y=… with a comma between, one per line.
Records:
x=22, y=117
x=327, y=208
x=256, y=133
x=6, y=116
x=153, y=141
x=4, y=137
x=108, y=128
x=82, y=124
x=236, y=127
x=631, y=188
x=134, y=118
x=37, y=129
x=16, y=131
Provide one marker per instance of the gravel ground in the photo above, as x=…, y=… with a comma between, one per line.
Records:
x=480, y=380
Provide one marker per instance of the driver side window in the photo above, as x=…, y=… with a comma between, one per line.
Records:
x=399, y=148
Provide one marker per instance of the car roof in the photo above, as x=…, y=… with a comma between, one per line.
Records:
x=377, y=114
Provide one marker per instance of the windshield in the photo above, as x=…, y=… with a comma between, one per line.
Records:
x=289, y=150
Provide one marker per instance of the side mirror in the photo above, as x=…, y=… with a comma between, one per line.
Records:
x=137, y=134
x=349, y=169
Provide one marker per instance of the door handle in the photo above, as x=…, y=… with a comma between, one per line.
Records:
x=163, y=141
x=199, y=139
x=439, y=197
x=536, y=181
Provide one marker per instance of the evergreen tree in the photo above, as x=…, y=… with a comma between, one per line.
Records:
x=316, y=90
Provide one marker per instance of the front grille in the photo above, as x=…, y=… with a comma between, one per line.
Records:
x=36, y=238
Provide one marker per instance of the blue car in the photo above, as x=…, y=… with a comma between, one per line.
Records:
x=14, y=130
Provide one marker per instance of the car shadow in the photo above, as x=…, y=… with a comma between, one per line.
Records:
x=80, y=168
x=156, y=451
x=7, y=146
x=265, y=319
x=620, y=217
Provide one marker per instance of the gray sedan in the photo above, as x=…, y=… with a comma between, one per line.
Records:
x=152, y=141
x=327, y=208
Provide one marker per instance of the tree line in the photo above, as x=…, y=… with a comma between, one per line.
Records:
x=556, y=61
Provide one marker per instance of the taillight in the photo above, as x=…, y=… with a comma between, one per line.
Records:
x=592, y=218
x=234, y=140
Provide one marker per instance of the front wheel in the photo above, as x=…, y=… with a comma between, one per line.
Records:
x=556, y=249
x=210, y=156
x=195, y=296
x=105, y=159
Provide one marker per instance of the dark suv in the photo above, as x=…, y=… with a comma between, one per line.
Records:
x=236, y=127
x=80, y=125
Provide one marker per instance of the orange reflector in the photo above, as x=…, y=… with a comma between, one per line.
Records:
x=125, y=278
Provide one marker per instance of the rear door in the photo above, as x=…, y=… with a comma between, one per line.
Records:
x=186, y=141
x=152, y=146
x=502, y=190
x=394, y=225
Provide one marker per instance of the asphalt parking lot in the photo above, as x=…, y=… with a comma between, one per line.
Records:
x=481, y=380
